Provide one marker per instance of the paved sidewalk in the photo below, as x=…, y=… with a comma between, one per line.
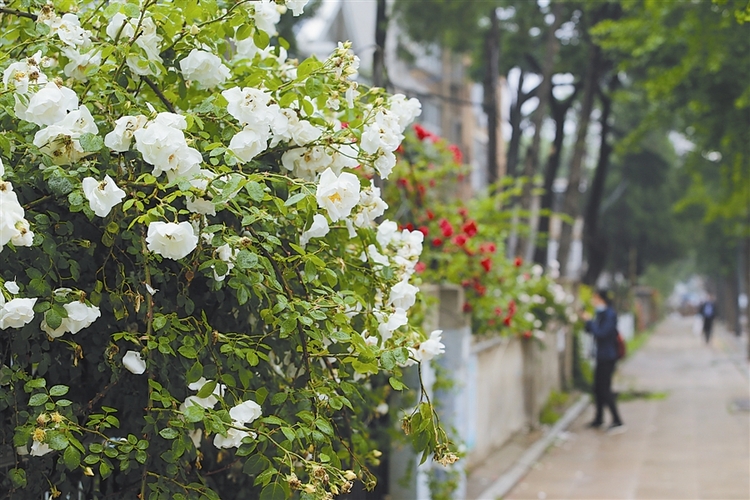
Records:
x=692, y=444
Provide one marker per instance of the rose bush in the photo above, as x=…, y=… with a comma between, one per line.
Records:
x=464, y=240
x=195, y=290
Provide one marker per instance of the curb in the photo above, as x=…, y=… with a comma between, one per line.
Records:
x=507, y=481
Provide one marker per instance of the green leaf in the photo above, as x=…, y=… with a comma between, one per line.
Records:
x=274, y=491
x=255, y=191
x=188, y=352
x=207, y=389
x=194, y=373
x=105, y=469
x=396, y=384
x=57, y=440
x=295, y=198
x=194, y=413
x=38, y=399
x=246, y=260
x=256, y=464
x=324, y=426
x=72, y=458
x=306, y=67
x=169, y=433
x=58, y=390
x=18, y=477
x=91, y=142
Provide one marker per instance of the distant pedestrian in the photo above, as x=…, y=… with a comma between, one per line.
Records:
x=708, y=311
x=604, y=329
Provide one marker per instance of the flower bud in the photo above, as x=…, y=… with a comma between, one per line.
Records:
x=42, y=419
x=309, y=488
x=350, y=475
x=88, y=471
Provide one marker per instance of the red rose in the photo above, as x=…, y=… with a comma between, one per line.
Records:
x=512, y=307
x=470, y=228
x=437, y=242
x=498, y=311
x=507, y=320
x=488, y=247
x=467, y=307
x=423, y=230
x=432, y=183
x=400, y=149
x=457, y=156
x=446, y=228
x=460, y=240
x=430, y=214
x=421, y=189
x=344, y=124
x=527, y=335
x=480, y=289
x=487, y=264
x=402, y=182
x=420, y=267
x=409, y=226
x=465, y=283
x=518, y=262
x=463, y=212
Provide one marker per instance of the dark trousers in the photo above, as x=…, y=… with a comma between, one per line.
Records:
x=603, y=391
x=708, y=324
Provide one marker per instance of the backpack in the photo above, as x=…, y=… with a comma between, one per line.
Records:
x=622, y=349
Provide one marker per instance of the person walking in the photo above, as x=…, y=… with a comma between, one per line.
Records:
x=708, y=311
x=604, y=329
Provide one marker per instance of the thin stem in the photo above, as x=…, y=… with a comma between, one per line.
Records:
x=19, y=13
x=159, y=94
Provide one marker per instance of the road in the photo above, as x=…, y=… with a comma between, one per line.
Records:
x=690, y=439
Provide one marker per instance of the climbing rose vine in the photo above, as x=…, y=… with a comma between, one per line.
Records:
x=196, y=299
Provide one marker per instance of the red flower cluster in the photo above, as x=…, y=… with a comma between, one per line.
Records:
x=470, y=228
x=518, y=262
x=446, y=228
x=423, y=133
x=457, y=155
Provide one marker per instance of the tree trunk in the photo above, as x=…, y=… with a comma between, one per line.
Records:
x=515, y=126
x=559, y=113
x=378, y=58
x=531, y=162
x=595, y=245
x=492, y=53
x=572, y=193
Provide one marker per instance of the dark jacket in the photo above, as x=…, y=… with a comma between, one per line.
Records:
x=708, y=310
x=604, y=329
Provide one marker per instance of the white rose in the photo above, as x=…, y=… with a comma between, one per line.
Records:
x=198, y=205
x=207, y=402
x=102, y=196
x=120, y=24
x=337, y=195
x=371, y=207
x=248, y=143
x=266, y=16
x=204, y=68
x=23, y=73
x=395, y=321
x=2, y=169
x=296, y=6
x=411, y=244
x=318, y=229
x=306, y=163
x=16, y=313
x=38, y=449
x=68, y=29
x=81, y=64
x=375, y=256
x=303, y=132
x=11, y=214
x=245, y=412
x=406, y=110
x=60, y=141
x=163, y=145
x=120, y=138
x=80, y=316
x=12, y=287
x=403, y=295
x=233, y=438
x=228, y=255
x=249, y=105
x=171, y=240
x=344, y=156
x=23, y=236
x=430, y=348
x=384, y=163
x=133, y=362
x=388, y=233
x=48, y=106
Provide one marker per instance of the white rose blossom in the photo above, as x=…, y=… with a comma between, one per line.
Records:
x=403, y=295
x=25, y=73
x=306, y=163
x=371, y=206
x=163, y=145
x=39, y=449
x=296, y=6
x=13, y=227
x=12, y=287
x=122, y=136
x=245, y=412
x=249, y=143
x=318, y=229
x=102, y=195
x=134, y=363
x=429, y=348
x=68, y=29
x=61, y=140
x=80, y=64
x=266, y=16
x=395, y=320
x=171, y=240
x=48, y=106
x=16, y=313
x=204, y=68
x=338, y=195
